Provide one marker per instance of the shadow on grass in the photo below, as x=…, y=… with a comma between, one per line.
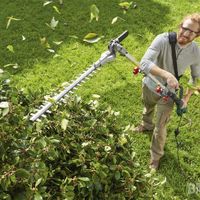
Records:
x=178, y=177
x=73, y=20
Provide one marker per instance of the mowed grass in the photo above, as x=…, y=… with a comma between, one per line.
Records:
x=115, y=83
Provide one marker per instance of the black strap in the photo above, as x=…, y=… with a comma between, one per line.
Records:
x=172, y=41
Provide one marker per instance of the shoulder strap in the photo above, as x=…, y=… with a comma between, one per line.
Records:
x=172, y=41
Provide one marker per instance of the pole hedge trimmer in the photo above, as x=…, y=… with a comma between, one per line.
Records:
x=108, y=56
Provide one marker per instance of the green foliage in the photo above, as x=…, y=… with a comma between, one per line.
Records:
x=81, y=152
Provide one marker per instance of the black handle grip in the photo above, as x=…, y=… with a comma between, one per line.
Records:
x=122, y=36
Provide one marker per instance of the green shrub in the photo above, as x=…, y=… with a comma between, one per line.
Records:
x=78, y=152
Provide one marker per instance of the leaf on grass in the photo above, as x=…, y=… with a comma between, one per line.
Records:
x=61, y=2
x=107, y=148
x=125, y=5
x=122, y=140
x=58, y=43
x=164, y=181
x=44, y=42
x=56, y=55
x=92, y=38
x=94, y=12
x=115, y=19
x=51, y=50
x=9, y=21
x=15, y=66
x=96, y=96
x=56, y=9
x=47, y=2
x=23, y=38
x=73, y=36
x=53, y=23
x=64, y=124
x=10, y=48
x=148, y=175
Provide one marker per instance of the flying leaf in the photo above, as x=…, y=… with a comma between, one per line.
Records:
x=10, y=48
x=94, y=12
x=56, y=9
x=92, y=38
x=53, y=23
x=47, y=2
x=9, y=21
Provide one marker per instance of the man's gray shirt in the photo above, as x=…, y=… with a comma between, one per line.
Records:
x=159, y=53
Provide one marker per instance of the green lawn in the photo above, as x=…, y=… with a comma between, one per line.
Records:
x=39, y=68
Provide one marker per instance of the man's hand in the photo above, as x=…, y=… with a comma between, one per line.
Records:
x=172, y=82
x=170, y=78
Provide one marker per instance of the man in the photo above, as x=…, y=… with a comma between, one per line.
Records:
x=158, y=61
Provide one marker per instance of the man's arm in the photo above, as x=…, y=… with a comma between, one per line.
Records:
x=148, y=65
x=170, y=78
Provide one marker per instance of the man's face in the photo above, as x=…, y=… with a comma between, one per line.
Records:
x=188, y=31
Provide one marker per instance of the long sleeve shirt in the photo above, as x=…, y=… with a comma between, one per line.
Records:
x=159, y=53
